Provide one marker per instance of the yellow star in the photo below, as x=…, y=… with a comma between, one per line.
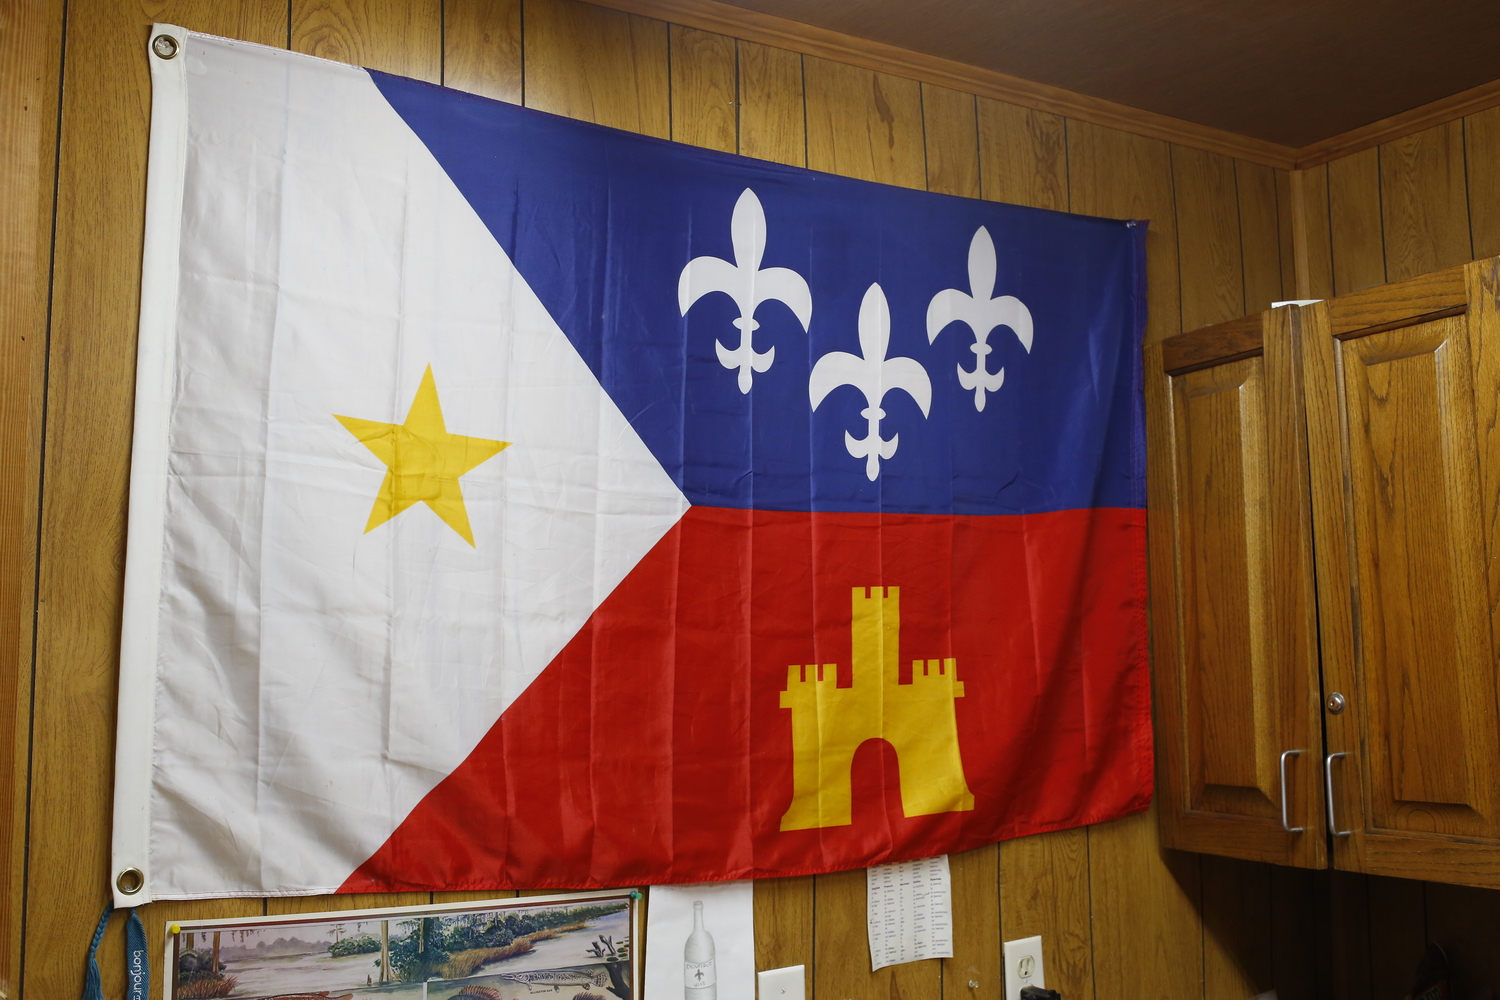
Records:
x=423, y=461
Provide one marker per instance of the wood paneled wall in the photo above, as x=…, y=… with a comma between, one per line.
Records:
x=1122, y=919
x=1423, y=202
x=1426, y=201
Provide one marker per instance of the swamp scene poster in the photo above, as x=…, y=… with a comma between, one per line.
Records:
x=573, y=950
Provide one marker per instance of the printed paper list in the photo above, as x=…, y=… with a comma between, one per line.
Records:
x=910, y=912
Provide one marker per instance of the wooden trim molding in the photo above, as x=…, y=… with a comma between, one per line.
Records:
x=784, y=33
x=1219, y=344
x=808, y=39
x=1439, y=112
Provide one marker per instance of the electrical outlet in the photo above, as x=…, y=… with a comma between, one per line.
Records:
x=783, y=984
x=1023, y=966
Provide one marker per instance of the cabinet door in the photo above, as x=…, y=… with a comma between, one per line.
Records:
x=1402, y=383
x=1233, y=627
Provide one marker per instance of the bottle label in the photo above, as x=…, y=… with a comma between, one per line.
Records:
x=698, y=975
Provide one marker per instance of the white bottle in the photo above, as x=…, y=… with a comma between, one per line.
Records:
x=699, y=978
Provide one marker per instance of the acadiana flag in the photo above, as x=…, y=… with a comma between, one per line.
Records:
x=522, y=503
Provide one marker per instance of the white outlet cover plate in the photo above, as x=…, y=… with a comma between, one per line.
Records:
x=1023, y=966
x=783, y=984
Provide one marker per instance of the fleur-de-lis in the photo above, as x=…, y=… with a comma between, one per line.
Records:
x=982, y=315
x=874, y=375
x=748, y=284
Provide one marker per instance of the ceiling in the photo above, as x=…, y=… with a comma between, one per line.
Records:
x=1288, y=71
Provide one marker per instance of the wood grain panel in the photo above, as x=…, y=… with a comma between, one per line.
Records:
x=471, y=895
x=780, y=32
x=772, y=113
x=1208, y=238
x=1483, y=288
x=1023, y=156
x=1390, y=306
x=1335, y=553
x=864, y=124
x=1312, y=239
x=1146, y=932
x=30, y=52
x=841, y=961
x=1424, y=202
x=1237, y=959
x=1297, y=935
x=952, y=139
x=91, y=382
x=1466, y=923
x=1411, y=375
x=1287, y=231
x=1233, y=636
x=1413, y=500
x=482, y=48
x=1354, y=222
x=597, y=65
x=974, y=972
x=1260, y=241
x=784, y=924
x=1124, y=176
x=278, y=905
x=1324, y=982
x=1148, y=936
x=1460, y=861
x=1482, y=156
x=1402, y=490
x=704, y=87
x=1398, y=934
x=404, y=37
x=1228, y=695
x=1044, y=889
x=1349, y=920
x=1216, y=345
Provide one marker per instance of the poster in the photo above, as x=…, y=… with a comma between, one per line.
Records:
x=702, y=942
x=573, y=947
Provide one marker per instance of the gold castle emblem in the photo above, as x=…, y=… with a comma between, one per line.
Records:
x=829, y=723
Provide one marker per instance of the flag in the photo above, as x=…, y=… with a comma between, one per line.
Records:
x=517, y=502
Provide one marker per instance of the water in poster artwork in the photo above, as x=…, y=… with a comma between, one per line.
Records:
x=699, y=977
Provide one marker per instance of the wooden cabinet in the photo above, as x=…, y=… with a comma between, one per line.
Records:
x=1234, y=630
x=1403, y=383
x=1325, y=504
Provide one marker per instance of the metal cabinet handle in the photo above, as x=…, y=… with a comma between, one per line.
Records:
x=1333, y=826
x=1284, y=824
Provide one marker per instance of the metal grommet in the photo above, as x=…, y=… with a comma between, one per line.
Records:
x=166, y=47
x=131, y=880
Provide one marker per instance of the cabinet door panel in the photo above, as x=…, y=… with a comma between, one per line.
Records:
x=1222, y=532
x=1232, y=623
x=1414, y=500
x=1400, y=397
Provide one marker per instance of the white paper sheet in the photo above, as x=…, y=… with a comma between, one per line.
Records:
x=910, y=912
x=728, y=916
